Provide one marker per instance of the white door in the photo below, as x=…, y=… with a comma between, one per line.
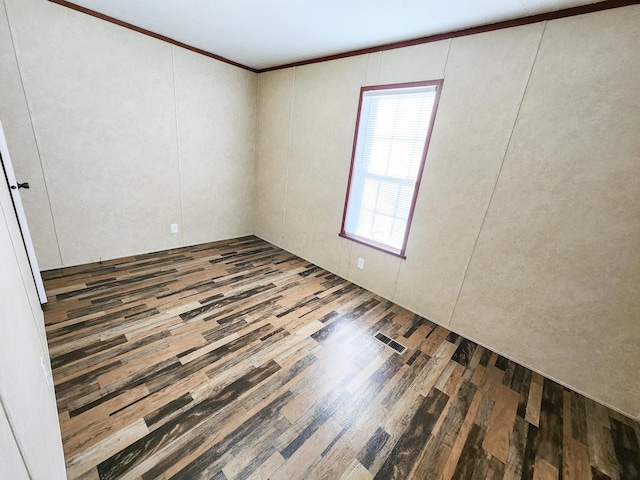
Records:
x=22, y=219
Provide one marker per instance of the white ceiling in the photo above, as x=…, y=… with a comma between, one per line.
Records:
x=262, y=34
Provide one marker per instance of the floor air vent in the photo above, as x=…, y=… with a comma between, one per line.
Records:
x=381, y=337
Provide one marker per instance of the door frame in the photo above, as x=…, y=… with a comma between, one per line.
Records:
x=5, y=159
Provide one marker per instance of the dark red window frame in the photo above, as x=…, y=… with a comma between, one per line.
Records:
x=438, y=84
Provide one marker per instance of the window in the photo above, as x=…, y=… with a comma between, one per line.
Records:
x=393, y=128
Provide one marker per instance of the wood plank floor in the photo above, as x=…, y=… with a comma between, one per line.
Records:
x=236, y=360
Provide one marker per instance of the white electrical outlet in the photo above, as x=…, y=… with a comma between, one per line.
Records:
x=174, y=228
x=360, y=263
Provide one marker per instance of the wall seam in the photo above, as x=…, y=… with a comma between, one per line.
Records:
x=15, y=438
x=175, y=111
x=35, y=135
x=256, y=155
x=286, y=174
x=497, y=177
x=446, y=59
x=395, y=286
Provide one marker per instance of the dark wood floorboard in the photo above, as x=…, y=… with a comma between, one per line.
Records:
x=239, y=360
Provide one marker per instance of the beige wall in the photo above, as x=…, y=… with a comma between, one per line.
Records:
x=18, y=129
x=121, y=135
x=525, y=230
x=525, y=234
x=12, y=464
x=30, y=440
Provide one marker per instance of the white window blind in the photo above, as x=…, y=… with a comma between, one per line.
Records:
x=388, y=157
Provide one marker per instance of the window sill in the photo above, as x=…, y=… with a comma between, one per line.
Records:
x=375, y=246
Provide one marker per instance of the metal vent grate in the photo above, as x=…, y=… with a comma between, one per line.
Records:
x=389, y=342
